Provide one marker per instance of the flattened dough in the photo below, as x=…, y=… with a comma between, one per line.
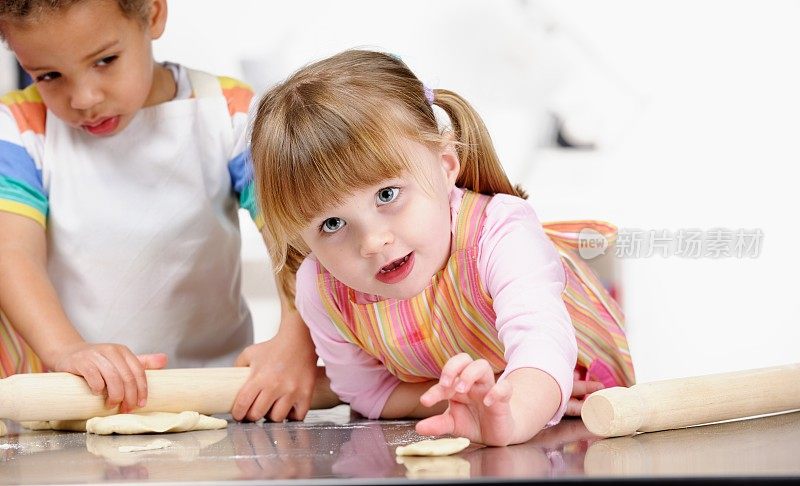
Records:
x=434, y=447
x=133, y=423
x=153, y=422
x=3, y=429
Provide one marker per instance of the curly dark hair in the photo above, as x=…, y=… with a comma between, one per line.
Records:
x=16, y=10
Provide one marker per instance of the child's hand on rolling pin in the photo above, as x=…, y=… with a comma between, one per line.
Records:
x=112, y=369
x=479, y=408
x=282, y=375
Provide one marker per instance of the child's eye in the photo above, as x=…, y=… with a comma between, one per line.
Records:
x=107, y=60
x=48, y=76
x=387, y=195
x=332, y=225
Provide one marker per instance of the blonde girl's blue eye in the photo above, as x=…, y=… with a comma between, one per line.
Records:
x=387, y=195
x=332, y=225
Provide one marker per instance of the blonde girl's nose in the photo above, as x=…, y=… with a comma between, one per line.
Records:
x=374, y=241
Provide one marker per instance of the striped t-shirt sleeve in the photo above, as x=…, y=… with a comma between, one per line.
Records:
x=240, y=100
x=22, y=123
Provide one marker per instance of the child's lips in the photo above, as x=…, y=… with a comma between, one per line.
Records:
x=102, y=126
x=397, y=270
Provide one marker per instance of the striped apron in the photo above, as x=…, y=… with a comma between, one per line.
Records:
x=415, y=337
x=15, y=354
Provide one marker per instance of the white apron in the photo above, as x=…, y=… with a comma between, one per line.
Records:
x=142, y=231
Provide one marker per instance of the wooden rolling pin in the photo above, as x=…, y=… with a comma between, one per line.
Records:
x=64, y=396
x=672, y=404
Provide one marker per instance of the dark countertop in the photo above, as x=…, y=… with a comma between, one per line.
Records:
x=331, y=447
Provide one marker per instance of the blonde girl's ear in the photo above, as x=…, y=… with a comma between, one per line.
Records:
x=157, y=18
x=449, y=159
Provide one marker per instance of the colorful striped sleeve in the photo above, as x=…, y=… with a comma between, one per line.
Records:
x=240, y=100
x=22, y=122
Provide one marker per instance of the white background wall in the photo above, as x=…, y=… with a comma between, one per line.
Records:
x=694, y=107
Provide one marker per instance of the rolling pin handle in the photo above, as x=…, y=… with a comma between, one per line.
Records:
x=613, y=412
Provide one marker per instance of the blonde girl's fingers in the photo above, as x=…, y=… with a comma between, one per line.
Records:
x=299, y=410
x=301, y=405
x=477, y=371
x=280, y=409
x=437, y=425
x=582, y=388
x=499, y=393
x=261, y=406
x=453, y=368
x=436, y=394
x=244, y=400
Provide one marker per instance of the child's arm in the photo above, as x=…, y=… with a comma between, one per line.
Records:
x=30, y=302
x=524, y=275
x=404, y=402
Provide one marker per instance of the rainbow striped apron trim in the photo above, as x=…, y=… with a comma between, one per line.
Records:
x=15, y=354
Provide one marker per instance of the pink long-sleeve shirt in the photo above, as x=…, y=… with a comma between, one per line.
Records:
x=521, y=270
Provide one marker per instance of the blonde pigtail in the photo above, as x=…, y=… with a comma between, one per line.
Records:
x=481, y=170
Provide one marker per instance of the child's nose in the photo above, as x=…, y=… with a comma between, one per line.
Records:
x=374, y=241
x=85, y=97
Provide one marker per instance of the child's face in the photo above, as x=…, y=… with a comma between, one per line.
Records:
x=391, y=238
x=93, y=65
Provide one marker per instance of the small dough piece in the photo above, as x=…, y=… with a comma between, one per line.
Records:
x=3, y=429
x=153, y=422
x=69, y=425
x=151, y=446
x=434, y=447
x=37, y=425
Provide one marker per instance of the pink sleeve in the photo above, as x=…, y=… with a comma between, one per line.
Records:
x=524, y=275
x=356, y=377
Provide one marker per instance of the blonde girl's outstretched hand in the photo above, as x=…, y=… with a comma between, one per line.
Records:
x=479, y=408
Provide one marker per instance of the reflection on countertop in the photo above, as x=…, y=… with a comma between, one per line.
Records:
x=333, y=445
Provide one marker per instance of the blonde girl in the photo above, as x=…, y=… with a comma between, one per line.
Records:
x=428, y=283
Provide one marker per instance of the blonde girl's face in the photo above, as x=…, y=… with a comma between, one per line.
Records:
x=391, y=238
x=92, y=64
